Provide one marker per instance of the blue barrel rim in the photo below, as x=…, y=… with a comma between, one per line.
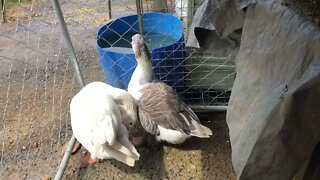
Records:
x=181, y=36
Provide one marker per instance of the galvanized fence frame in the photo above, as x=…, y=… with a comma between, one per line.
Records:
x=73, y=59
x=33, y=44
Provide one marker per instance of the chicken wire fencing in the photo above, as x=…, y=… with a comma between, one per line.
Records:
x=37, y=81
x=204, y=79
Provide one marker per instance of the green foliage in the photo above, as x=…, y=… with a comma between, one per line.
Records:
x=13, y=3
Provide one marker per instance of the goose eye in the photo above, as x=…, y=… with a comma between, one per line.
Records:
x=131, y=124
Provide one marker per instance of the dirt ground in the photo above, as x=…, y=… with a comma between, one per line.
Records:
x=36, y=85
x=195, y=159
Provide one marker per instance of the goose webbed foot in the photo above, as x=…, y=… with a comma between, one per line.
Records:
x=86, y=158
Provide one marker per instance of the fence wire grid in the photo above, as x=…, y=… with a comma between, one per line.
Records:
x=204, y=79
x=37, y=81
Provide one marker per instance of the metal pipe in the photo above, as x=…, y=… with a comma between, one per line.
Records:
x=138, y=4
x=67, y=41
x=75, y=64
x=197, y=108
x=160, y=6
x=65, y=159
x=141, y=7
x=109, y=8
x=3, y=11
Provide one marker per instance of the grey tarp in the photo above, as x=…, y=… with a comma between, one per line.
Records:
x=274, y=109
x=213, y=27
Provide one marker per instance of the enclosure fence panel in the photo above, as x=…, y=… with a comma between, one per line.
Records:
x=38, y=82
x=199, y=79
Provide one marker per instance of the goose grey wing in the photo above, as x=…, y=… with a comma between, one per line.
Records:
x=160, y=105
x=188, y=112
x=146, y=122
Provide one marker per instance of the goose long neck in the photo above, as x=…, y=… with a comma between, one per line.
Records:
x=144, y=64
x=143, y=72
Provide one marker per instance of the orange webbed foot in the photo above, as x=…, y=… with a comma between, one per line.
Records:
x=86, y=158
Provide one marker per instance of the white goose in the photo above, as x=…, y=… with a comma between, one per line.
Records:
x=98, y=123
x=161, y=111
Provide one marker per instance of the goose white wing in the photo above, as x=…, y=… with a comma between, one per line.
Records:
x=94, y=116
x=97, y=124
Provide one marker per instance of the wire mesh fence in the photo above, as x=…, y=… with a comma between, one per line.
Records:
x=199, y=79
x=37, y=80
x=36, y=85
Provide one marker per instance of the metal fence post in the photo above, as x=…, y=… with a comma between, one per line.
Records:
x=109, y=8
x=3, y=10
x=75, y=64
x=138, y=5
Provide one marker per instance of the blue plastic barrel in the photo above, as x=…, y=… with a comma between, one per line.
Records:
x=168, y=53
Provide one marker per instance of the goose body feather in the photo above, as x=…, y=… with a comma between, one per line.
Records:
x=165, y=115
x=161, y=111
x=96, y=121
